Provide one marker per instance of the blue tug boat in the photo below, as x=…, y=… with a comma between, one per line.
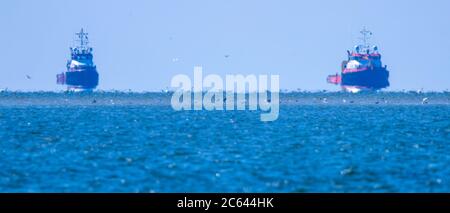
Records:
x=81, y=74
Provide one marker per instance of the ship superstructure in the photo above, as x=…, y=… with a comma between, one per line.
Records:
x=363, y=70
x=81, y=73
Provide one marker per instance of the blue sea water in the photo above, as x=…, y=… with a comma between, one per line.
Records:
x=135, y=142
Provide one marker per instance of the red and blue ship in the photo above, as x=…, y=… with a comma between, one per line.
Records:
x=363, y=70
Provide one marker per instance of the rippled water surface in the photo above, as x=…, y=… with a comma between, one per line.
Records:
x=322, y=142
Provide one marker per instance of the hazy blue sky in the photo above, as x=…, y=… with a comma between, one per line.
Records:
x=136, y=41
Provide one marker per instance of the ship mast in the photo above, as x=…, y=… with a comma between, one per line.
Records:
x=83, y=39
x=365, y=46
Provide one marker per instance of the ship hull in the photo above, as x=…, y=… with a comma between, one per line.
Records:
x=370, y=79
x=82, y=80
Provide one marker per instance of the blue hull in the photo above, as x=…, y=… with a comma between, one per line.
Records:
x=83, y=80
x=373, y=79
